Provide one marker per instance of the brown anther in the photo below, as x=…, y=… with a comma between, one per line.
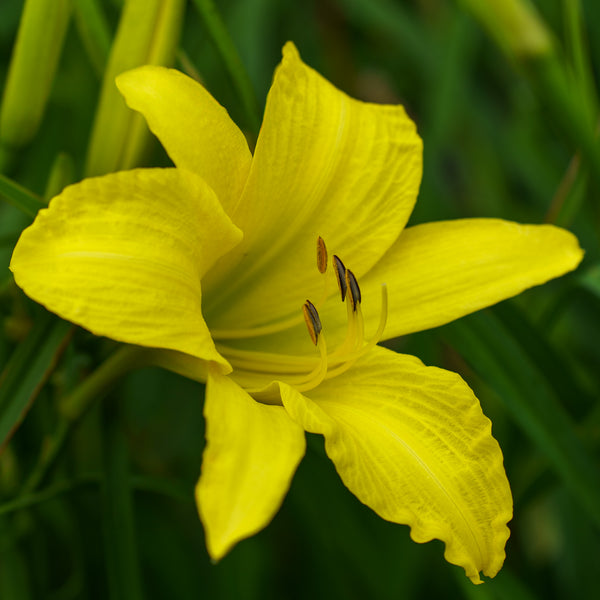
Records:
x=355, y=295
x=340, y=275
x=321, y=255
x=313, y=322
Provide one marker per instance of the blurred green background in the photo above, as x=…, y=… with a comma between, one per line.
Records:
x=508, y=132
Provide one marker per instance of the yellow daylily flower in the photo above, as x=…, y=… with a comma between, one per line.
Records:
x=213, y=261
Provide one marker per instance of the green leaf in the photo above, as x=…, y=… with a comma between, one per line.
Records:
x=28, y=369
x=231, y=59
x=15, y=580
x=403, y=32
x=498, y=357
x=576, y=49
x=8, y=241
x=121, y=549
x=548, y=360
x=20, y=197
x=590, y=280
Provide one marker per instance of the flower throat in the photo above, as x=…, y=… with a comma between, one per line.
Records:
x=254, y=371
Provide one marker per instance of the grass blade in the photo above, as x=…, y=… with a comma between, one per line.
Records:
x=20, y=197
x=231, y=59
x=496, y=355
x=121, y=549
x=27, y=371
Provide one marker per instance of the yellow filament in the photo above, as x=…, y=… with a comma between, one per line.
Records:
x=350, y=341
x=382, y=316
x=266, y=362
x=360, y=326
x=317, y=375
x=255, y=370
x=307, y=381
x=350, y=358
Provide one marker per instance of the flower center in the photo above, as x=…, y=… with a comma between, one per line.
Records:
x=255, y=370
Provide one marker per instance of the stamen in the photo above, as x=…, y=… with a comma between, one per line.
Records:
x=313, y=323
x=383, y=313
x=297, y=366
x=321, y=255
x=352, y=284
x=340, y=275
x=355, y=332
x=265, y=362
x=302, y=382
x=351, y=357
x=256, y=371
x=317, y=375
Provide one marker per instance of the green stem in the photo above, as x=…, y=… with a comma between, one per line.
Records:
x=76, y=404
x=139, y=483
x=28, y=500
x=233, y=63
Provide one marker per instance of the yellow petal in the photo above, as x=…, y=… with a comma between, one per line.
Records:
x=251, y=455
x=438, y=272
x=123, y=256
x=412, y=443
x=326, y=165
x=194, y=128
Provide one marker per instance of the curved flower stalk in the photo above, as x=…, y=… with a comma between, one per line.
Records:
x=227, y=259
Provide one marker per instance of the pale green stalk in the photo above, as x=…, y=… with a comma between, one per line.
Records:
x=31, y=73
x=148, y=33
x=514, y=24
x=62, y=174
